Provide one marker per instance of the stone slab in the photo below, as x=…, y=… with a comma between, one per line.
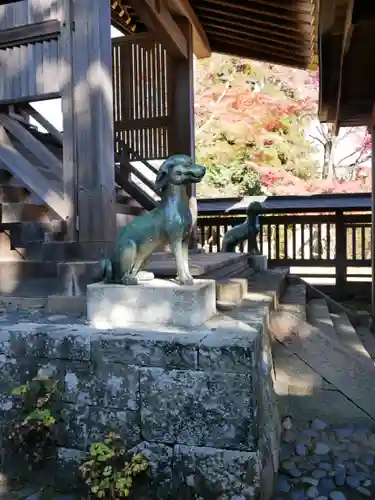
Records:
x=209, y=473
x=198, y=408
x=230, y=292
x=318, y=315
x=63, y=304
x=329, y=358
x=348, y=336
x=152, y=302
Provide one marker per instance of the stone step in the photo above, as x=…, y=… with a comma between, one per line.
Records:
x=367, y=339
x=318, y=315
x=294, y=300
x=326, y=356
x=348, y=336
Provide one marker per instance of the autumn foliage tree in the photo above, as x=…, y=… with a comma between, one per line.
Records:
x=252, y=120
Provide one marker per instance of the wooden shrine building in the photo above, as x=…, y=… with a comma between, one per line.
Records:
x=123, y=100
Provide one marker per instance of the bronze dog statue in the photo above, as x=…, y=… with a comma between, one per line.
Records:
x=169, y=223
x=248, y=230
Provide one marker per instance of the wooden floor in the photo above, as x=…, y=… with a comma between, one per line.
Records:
x=201, y=264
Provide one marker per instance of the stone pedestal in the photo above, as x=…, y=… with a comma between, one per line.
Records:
x=259, y=262
x=230, y=292
x=155, y=302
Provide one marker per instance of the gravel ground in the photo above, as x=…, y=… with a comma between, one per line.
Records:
x=326, y=463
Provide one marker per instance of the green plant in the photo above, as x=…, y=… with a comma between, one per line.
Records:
x=110, y=471
x=33, y=430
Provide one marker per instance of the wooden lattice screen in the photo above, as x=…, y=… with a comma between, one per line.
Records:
x=142, y=72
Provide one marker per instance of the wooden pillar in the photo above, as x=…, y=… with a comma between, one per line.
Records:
x=87, y=103
x=182, y=100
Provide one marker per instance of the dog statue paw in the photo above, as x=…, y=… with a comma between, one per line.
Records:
x=185, y=280
x=170, y=223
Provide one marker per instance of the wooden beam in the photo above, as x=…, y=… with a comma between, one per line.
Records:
x=254, y=42
x=31, y=144
x=181, y=101
x=22, y=169
x=29, y=110
x=265, y=39
x=156, y=16
x=30, y=33
x=201, y=45
x=87, y=102
x=281, y=34
x=69, y=176
x=241, y=9
x=269, y=56
x=290, y=26
x=346, y=39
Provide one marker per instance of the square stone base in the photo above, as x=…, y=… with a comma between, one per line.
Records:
x=153, y=302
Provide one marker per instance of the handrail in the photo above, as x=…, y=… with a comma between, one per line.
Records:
x=300, y=235
x=123, y=159
x=288, y=204
x=127, y=150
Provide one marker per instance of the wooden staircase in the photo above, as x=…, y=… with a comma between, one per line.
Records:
x=32, y=206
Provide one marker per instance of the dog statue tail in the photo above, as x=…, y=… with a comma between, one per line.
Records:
x=106, y=270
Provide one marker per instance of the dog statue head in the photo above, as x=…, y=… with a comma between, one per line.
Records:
x=255, y=207
x=178, y=170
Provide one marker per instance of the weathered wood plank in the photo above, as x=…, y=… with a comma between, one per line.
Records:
x=18, y=13
x=30, y=33
x=41, y=152
x=22, y=169
x=201, y=44
x=157, y=17
x=88, y=114
x=82, y=121
x=67, y=106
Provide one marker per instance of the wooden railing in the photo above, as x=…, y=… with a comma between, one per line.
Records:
x=321, y=236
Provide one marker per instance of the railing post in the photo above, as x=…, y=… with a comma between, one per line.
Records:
x=341, y=250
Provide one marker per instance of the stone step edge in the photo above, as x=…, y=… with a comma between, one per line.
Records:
x=312, y=346
x=318, y=315
x=333, y=306
x=340, y=321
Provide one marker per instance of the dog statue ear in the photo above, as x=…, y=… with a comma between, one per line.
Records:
x=162, y=176
x=161, y=180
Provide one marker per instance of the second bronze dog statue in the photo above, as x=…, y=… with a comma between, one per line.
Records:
x=169, y=223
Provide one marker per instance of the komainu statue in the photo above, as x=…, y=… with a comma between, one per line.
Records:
x=169, y=223
x=247, y=231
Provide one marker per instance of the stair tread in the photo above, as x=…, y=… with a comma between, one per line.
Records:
x=294, y=300
x=319, y=316
x=327, y=357
x=348, y=335
x=367, y=339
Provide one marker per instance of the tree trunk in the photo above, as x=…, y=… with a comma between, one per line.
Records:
x=327, y=159
x=329, y=171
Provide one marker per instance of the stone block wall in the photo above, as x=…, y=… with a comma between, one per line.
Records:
x=199, y=403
